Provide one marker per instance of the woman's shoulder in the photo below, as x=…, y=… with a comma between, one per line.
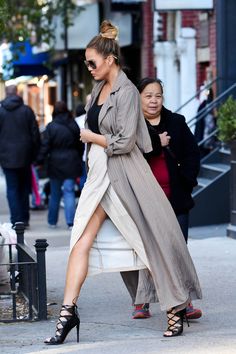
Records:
x=127, y=83
x=172, y=116
x=128, y=90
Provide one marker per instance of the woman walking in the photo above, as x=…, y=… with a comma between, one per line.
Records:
x=121, y=186
x=174, y=161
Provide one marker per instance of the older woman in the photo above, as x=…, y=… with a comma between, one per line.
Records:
x=121, y=186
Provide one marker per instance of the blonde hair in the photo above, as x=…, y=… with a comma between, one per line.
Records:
x=106, y=42
x=107, y=30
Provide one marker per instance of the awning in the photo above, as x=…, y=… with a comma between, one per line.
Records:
x=30, y=64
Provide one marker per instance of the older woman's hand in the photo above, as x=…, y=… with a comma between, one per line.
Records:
x=86, y=135
x=165, y=139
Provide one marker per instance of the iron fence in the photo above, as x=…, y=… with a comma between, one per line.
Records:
x=26, y=286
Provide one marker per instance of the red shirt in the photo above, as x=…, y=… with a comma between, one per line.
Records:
x=159, y=169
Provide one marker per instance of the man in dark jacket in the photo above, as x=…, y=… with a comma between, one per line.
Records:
x=19, y=143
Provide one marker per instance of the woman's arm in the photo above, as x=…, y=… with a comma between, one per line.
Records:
x=124, y=138
x=159, y=140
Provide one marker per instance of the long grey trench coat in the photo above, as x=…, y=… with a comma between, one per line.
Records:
x=172, y=280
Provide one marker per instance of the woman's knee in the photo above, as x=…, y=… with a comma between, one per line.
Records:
x=82, y=247
x=85, y=242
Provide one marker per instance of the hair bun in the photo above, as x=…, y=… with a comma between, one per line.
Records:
x=108, y=30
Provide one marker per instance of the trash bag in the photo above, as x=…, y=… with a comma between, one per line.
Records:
x=4, y=276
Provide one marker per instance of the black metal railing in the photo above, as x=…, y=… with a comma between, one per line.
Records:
x=208, y=109
x=205, y=87
x=27, y=280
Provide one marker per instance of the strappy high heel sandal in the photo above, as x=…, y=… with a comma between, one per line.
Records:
x=68, y=319
x=175, y=323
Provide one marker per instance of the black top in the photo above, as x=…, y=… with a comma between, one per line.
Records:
x=92, y=117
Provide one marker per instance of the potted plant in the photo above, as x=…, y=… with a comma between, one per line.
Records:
x=226, y=122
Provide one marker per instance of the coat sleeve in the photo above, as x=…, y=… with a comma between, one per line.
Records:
x=156, y=142
x=34, y=132
x=190, y=161
x=127, y=115
x=45, y=146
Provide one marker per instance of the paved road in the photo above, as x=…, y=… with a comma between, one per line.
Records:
x=105, y=308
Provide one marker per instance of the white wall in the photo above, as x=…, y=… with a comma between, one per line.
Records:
x=186, y=46
x=176, y=67
x=167, y=71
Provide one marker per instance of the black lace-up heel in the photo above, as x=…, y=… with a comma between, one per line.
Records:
x=175, y=323
x=68, y=319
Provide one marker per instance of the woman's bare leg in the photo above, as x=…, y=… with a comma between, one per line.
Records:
x=77, y=267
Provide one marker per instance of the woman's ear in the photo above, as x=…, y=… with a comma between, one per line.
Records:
x=110, y=59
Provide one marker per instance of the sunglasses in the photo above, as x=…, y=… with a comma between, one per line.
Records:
x=90, y=64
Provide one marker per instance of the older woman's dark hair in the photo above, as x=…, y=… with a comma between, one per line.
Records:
x=60, y=107
x=147, y=81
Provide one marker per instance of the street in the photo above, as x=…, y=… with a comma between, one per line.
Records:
x=105, y=307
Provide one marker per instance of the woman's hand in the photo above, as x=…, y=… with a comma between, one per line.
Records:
x=165, y=139
x=86, y=136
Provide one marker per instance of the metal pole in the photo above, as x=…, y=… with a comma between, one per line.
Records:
x=231, y=229
x=19, y=227
x=41, y=246
x=65, y=65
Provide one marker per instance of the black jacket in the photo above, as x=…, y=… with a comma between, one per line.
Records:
x=61, y=144
x=182, y=158
x=19, y=133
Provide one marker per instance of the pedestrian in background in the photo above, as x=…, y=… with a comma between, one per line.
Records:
x=174, y=161
x=62, y=146
x=206, y=125
x=19, y=144
x=121, y=186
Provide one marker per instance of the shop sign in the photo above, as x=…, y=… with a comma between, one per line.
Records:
x=167, y=5
x=127, y=1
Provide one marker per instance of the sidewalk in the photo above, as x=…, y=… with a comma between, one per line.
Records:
x=105, y=306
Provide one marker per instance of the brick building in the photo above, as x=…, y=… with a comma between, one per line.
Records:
x=147, y=59
x=204, y=22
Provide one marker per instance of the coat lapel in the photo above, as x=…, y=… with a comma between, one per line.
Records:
x=104, y=110
x=121, y=78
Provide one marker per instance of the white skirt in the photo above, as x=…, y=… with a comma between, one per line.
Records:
x=118, y=245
